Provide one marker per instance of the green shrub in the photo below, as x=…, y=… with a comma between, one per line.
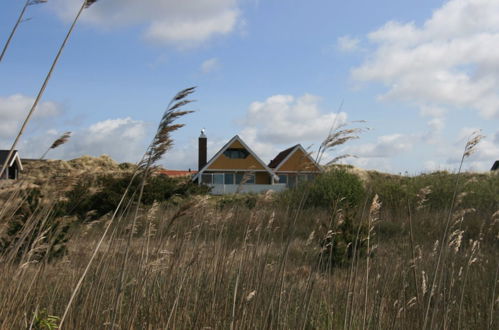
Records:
x=336, y=187
x=92, y=200
x=35, y=231
x=481, y=191
x=341, y=243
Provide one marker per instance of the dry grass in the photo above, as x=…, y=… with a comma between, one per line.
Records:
x=206, y=267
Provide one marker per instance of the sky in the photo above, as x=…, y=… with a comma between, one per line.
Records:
x=423, y=75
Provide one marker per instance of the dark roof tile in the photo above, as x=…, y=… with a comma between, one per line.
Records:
x=4, y=154
x=281, y=156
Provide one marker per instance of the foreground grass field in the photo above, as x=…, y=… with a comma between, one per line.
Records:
x=267, y=262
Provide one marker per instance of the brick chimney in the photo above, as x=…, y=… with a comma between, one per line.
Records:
x=202, y=150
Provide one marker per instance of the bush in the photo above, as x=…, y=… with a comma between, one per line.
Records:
x=481, y=190
x=336, y=187
x=84, y=202
x=341, y=243
x=34, y=231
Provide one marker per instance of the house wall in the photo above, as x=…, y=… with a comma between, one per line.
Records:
x=298, y=162
x=225, y=163
x=262, y=178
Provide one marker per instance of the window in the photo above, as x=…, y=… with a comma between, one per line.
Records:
x=283, y=178
x=291, y=181
x=302, y=178
x=229, y=178
x=207, y=178
x=234, y=153
x=218, y=178
x=311, y=177
x=239, y=178
x=249, y=178
x=245, y=178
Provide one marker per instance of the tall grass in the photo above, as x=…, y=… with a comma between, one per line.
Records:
x=222, y=268
x=203, y=265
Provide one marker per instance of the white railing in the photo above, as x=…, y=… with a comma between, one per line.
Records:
x=224, y=189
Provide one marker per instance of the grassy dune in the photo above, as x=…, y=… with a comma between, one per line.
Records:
x=261, y=262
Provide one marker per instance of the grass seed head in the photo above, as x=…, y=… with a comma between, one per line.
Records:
x=61, y=140
x=471, y=145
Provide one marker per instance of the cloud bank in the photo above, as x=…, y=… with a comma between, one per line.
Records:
x=179, y=23
x=448, y=61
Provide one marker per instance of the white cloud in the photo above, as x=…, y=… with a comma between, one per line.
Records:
x=123, y=139
x=185, y=155
x=449, y=61
x=432, y=111
x=436, y=125
x=13, y=111
x=385, y=146
x=210, y=65
x=348, y=44
x=285, y=119
x=435, y=129
x=448, y=155
x=179, y=23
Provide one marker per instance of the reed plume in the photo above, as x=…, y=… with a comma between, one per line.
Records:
x=470, y=148
x=57, y=143
x=338, y=136
x=161, y=143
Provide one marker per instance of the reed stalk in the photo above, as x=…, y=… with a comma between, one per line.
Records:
x=85, y=4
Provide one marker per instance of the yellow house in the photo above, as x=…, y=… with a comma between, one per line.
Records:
x=234, y=168
x=295, y=165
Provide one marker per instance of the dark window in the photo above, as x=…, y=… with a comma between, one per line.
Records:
x=249, y=179
x=283, y=178
x=229, y=178
x=207, y=178
x=291, y=181
x=245, y=178
x=236, y=153
x=218, y=178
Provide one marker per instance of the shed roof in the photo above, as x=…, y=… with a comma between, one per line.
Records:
x=14, y=158
x=495, y=167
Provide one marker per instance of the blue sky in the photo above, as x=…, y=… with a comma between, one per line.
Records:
x=422, y=74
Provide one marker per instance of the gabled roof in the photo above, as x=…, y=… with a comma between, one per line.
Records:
x=14, y=158
x=225, y=147
x=495, y=167
x=281, y=156
x=284, y=155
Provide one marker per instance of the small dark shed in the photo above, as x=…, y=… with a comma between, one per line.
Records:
x=14, y=165
x=495, y=167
